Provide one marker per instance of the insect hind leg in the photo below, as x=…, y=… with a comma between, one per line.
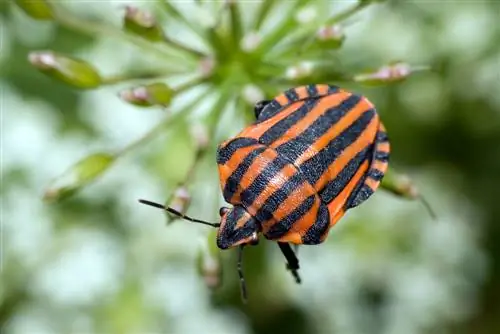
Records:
x=292, y=261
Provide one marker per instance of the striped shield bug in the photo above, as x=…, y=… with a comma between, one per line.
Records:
x=313, y=153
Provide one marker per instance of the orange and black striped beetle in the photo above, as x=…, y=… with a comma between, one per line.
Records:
x=313, y=153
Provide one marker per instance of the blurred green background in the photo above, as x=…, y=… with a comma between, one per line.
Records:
x=99, y=262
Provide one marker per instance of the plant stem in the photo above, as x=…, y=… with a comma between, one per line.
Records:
x=171, y=10
x=159, y=128
x=285, y=26
x=236, y=25
x=345, y=14
x=183, y=47
x=264, y=9
x=308, y=32
x=119, y=78
x=67, y=19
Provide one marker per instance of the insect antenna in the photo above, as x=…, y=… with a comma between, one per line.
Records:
x=177, y=213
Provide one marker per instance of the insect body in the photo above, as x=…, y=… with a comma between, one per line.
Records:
x=313, y=153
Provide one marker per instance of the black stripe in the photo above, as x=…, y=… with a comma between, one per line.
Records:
x=295, y=147
x=314, y=233
x=376, y=174
x=319, y=163
x=335, y=186
x=332, y=89
x=382, y=156
x=277, y=130
x=291, y=95
x=225, y=153
x=271, y=109
x=279, y=196
x=260, y=183
x=359, y=195
x=283, y=226
x=382, y=137
x=234, y=179
x=312, y=90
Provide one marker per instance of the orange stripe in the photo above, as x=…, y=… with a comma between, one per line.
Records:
x=336, y=205
x=282, y=99
x=302, y=225
x=228, y=168
x=302, y=92
x=380, y=165
x=362, y=106
x=365, y=139
x=253, y=171
x=241, y=222
x=322, y=89
x=292, y=201
x=333, y=221
x=383, y=147
x=255, y=131
x=324, y=103
x=372, y=183
x=274, y=184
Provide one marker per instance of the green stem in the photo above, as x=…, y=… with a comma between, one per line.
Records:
x=284, y=27
x=201, y=151
x=236, y=25
x=119, y=78
x=159, y=128
x=172, y=11
x=308, y=32
x=345, y=14
x=264, y=9
x=183, y=47
x=93, y=28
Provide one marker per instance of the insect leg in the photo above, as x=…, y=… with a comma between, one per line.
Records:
x=243, y=286
x=292, y=261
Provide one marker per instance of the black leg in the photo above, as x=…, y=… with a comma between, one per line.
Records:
x=292, y=261
x=243, y=286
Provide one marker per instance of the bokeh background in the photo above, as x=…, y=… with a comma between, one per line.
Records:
x=99, y=262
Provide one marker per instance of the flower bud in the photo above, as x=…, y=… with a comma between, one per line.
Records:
x=148, y=95
x=37, y=9
x=394, y=72
x=72, y=71
x=180, y=200
x=401, y=185
x=142, y=23
x=200, y=134
x=300, y=71
x=79, y=175
x=209, y=262
x=330, y=37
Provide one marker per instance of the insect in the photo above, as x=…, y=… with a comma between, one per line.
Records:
x=313, y=153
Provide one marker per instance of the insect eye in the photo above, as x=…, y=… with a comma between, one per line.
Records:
x=223, y=210
x=259, y=106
